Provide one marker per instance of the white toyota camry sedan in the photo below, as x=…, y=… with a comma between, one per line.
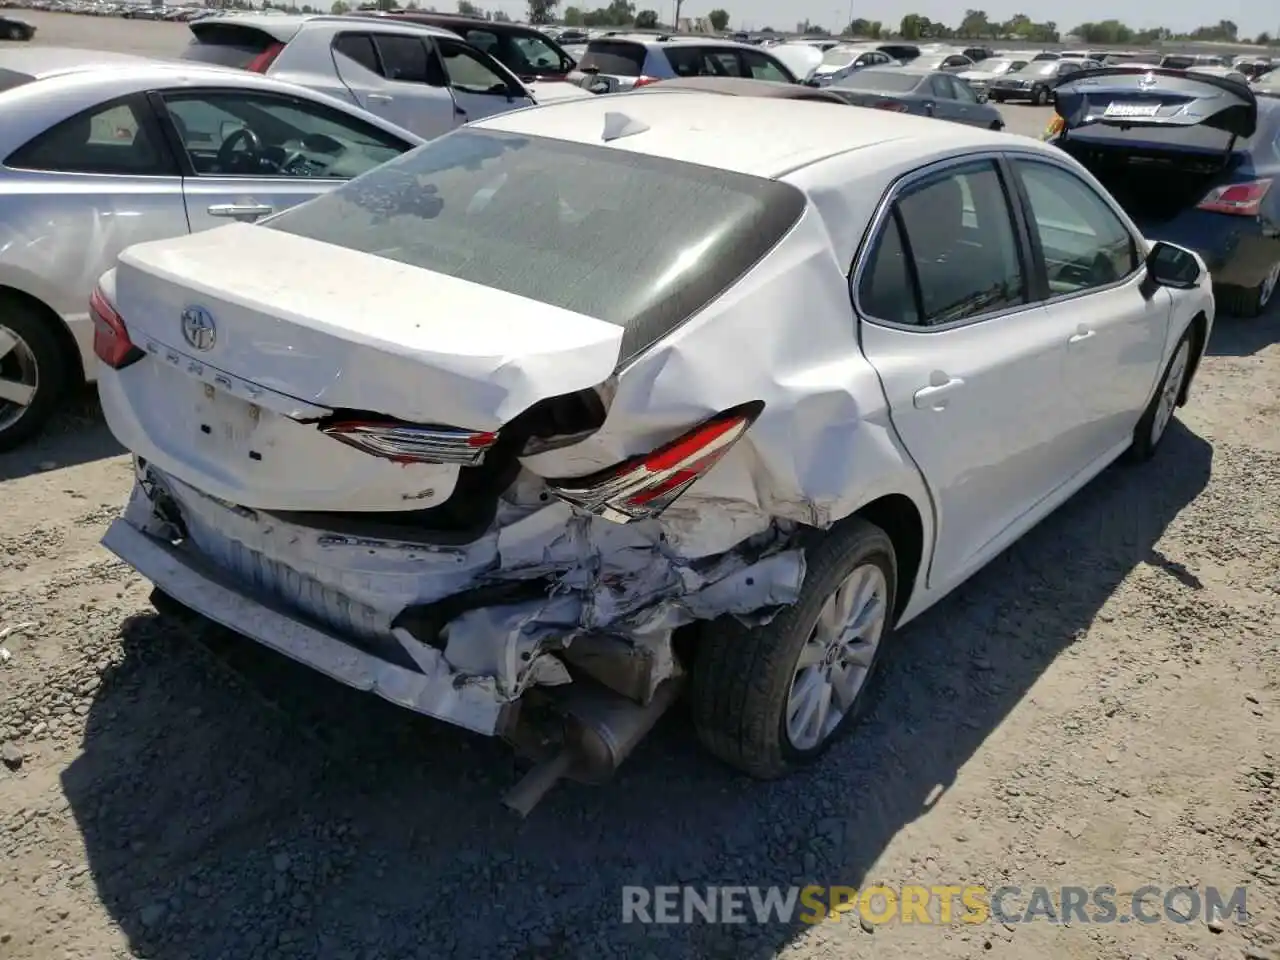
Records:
x=580, y=407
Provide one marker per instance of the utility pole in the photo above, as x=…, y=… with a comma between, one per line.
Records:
x=675, y=27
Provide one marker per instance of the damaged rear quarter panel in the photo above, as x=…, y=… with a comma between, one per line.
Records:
x=824, y=445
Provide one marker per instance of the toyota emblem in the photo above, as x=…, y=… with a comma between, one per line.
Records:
x=198, y=329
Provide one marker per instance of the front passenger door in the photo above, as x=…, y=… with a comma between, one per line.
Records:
x=1094, y=272
x=970, y=365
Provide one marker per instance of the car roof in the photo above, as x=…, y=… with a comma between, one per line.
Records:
x=455, y=19
x=285, y=26
x=40, y=62
x=713, y=130
x=740, y=87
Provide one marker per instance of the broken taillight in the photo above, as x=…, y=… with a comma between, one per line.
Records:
x=644, y=486
x=111, y=343
x=262, y=62
x=1241, y=199
x=411, y=443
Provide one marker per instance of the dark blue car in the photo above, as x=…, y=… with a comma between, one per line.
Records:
x=1193, y=159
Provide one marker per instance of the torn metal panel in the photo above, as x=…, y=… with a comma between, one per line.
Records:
x=625, y=581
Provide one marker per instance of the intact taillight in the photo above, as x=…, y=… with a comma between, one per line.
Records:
x=644, y=486
x=411, y=443
x=897, y=106
x=262, y=62
x=1241, y=199
x=643, y=81
x=111, y=343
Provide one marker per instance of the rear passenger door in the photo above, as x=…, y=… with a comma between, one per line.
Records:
x=399, y=78
x=971, y=367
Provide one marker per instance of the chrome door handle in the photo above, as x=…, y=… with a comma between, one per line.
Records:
x=1081, y=335
x=240, y=211
x=378, y=98
x=935, y=395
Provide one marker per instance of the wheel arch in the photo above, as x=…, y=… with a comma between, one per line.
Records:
x=1199, y=328
x=61, y=332
x=901, y=520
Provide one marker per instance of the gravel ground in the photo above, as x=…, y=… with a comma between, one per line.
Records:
x=1100, y=705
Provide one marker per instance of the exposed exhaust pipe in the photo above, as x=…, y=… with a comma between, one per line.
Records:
x=601, y=730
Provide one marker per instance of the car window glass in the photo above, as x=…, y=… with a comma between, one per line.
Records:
x=886, y=289
x=762, y=67
x=959, y=243
x=467, y=72
x=963, y=91
x=941, y=88
x=107, y=139
x=405, y=59
x=537, y=53
x=290, y=138
x=1085, y=244
x=358, y=47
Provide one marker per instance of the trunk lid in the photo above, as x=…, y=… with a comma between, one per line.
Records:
x=404, y=341
x=257, y=338
x=1126, y=98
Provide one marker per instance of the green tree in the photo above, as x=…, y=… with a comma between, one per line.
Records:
x=573, y=16
x=719, y=19
x=542, y=11
x=975, y=25
x=647, y=19
x=338, y=8
x=469, y=9
x=915, y=27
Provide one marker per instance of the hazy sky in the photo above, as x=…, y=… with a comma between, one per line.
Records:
x=1181, y=15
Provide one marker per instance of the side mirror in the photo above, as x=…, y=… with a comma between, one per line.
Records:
x=1170, y=266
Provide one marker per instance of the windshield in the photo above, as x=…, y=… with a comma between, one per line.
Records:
x=885, y=81
x=839, y=56
x=1039, y=68
x=994, y=65
x=637, y=241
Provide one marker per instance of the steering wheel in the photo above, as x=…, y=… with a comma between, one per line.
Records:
x=227, y=154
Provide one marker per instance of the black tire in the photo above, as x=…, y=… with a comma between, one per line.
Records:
x=1039, y=97
x=997, y=97
x=997, y=125
x=1244, y=302
x=16, y=33
x=53, y=369
x=1143, y=447
x=742, y=676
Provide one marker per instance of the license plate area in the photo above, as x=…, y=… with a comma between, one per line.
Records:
x=1122, y=110
x=231, y=428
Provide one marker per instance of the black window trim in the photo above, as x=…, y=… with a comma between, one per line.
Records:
x=177, y=147
x=435, y=45
x=148, y=119
x=1137, y=243
x=888, y=208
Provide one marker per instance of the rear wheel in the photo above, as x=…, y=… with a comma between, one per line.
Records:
x=769, y=699
x=1248, y=302
x=997, y=125
x=1039, y=97
x=33, y=372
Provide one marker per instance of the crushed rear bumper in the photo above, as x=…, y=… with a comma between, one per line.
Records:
x=183, y=575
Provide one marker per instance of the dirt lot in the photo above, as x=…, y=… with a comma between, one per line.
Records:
x=1100, y=706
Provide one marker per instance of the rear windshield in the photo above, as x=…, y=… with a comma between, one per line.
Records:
x=640, y=242
x=615, y=57
x=1178, y=63
x=227, y=45
x=900, y=52
x=12, y=78
x=889, y=81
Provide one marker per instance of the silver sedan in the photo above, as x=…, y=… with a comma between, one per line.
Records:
x=100, y=151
